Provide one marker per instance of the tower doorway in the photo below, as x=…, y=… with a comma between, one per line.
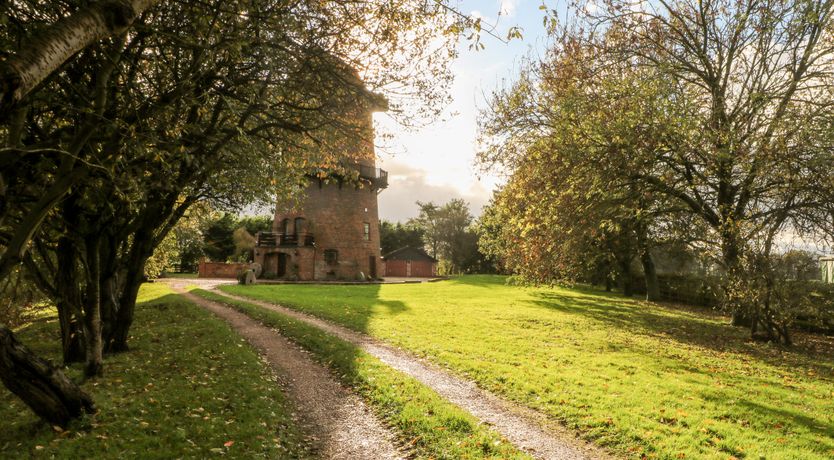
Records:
x=372, y=267
x=282, y=265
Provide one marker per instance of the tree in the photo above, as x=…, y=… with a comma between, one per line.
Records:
x=562, y=217
x=255, y=224
x=164, y=257
x=752, y=85
x=729, y=104
x=447, y=234
x=188, y=234
x=244, y=244
x=190, y=104
x=56, y=43
x=44, y=388
x=219, y=243
x=397, y=236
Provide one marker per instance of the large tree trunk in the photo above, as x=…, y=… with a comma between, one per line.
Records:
x=69, y=298
x=47, y=50
x=156, y=224
x=625, y=274
x=650, y=273
x=72, y=344
x=116, y=341
x=731, y=257
x=42, y=386
x=92, y=311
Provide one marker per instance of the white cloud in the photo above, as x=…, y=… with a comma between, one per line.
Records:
x=408, y=184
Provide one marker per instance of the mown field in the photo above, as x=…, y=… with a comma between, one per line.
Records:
x=640, y=379
x=189, y=388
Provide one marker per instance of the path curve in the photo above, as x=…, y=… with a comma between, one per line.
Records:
x=527, y=429
x=342, y=425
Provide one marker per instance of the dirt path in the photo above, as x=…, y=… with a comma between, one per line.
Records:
x=526, y=429
x=342, y=426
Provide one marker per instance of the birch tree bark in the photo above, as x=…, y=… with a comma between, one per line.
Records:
x=48, y=49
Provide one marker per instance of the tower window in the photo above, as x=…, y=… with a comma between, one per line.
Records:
x=331, y=256
x=367, y=231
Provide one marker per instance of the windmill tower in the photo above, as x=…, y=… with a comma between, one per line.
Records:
x=332, y=232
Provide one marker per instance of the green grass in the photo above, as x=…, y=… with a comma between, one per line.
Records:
x=188, y=386
x=430, y=426
x=180, y=275
x=637, y=378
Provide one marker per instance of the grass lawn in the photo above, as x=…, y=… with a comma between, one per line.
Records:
x=181, y=275
x=640, y=379
x=428, y=425
x=189, y=388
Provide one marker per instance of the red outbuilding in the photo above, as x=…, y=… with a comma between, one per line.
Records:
x=410, y=262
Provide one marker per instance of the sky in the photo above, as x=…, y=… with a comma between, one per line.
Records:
x=437, y=163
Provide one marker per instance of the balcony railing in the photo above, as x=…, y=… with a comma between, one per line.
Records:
x=272, y=239
x=377, y=176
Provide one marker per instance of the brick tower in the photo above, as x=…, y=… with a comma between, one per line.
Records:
x=332, y=232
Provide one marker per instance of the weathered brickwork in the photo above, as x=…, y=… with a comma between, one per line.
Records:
x=335, y=215
x=332, y=232
x=220, y=269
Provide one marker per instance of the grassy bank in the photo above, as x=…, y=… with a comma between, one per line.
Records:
x=430, y=426
x=189, y=388
x=638, y=378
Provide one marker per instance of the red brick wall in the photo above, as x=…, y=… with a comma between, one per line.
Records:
x=299, y=262
x=220, y=269
x=334, y=214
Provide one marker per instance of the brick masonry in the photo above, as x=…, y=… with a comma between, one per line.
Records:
x=335, y=213
x=220, y=269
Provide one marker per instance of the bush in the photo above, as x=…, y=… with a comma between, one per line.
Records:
x=689, y=289
x=817, y=314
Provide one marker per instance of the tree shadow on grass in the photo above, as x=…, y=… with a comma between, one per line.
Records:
x=685, y=327
x=789, y=417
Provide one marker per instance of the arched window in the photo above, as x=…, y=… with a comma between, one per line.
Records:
x=285, y=226
x=299, y=225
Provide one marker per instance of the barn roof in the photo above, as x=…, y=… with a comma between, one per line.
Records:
x=408, y=253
